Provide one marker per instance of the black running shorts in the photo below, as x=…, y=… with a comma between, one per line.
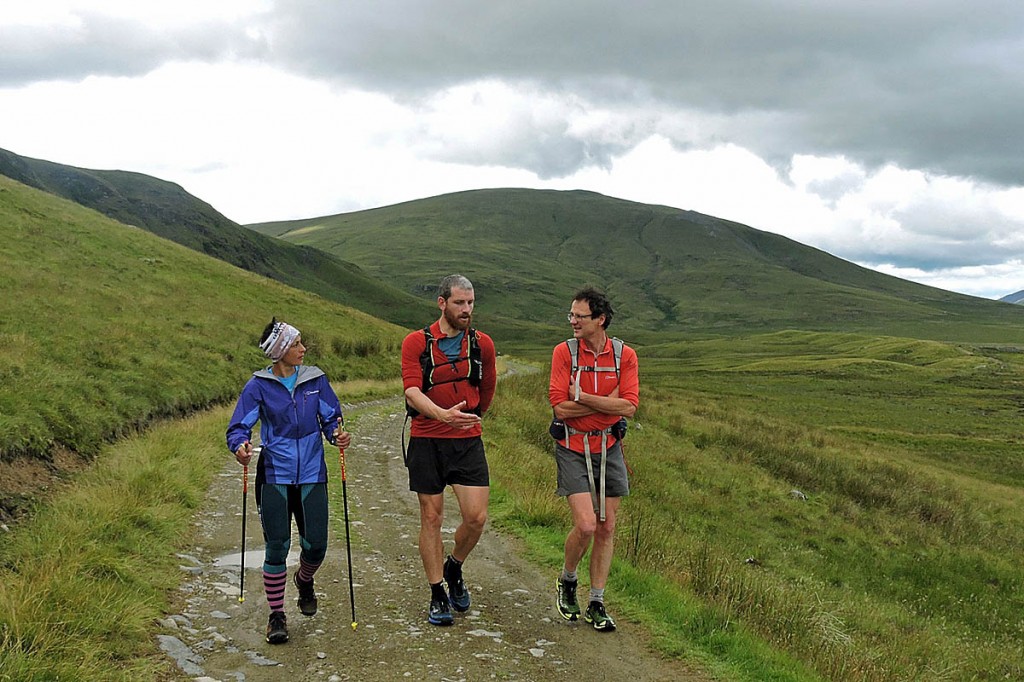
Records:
x=438, y=462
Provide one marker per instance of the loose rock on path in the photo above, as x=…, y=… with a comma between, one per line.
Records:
x=511, y=632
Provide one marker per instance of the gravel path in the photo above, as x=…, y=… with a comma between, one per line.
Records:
x=511, y=632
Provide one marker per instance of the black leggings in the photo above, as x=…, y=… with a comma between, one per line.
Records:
x=277, y=504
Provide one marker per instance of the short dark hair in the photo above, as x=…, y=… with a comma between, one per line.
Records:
x=444, y=289
x=598, y=302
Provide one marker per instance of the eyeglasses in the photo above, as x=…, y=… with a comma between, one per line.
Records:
x=572, y=317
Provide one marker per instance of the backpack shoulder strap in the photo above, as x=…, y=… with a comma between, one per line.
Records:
x=476, y=365
x=427, y=358
x=574, y=352
x=617, y=350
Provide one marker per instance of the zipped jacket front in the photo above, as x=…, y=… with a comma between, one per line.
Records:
x=292, y=424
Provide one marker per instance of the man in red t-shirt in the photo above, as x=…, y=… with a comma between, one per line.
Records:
x=591, y=401
x=449, y=381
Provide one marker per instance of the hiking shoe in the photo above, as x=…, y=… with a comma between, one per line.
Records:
x=598, y=617
x=457, y=592
x=440, y=612
x=566, y=601
x=307, y=597
x=277, y=628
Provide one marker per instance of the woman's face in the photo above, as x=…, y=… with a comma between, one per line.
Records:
x=293, y=356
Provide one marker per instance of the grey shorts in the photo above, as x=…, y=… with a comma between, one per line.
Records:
x=572, y=472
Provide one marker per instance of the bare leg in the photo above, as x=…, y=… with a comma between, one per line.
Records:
x=584, y=524
x=473, y=506
x=604, y=545
x=431, y=547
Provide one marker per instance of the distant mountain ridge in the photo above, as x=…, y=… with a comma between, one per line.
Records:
x=167, y=210
x=1017, y=297
x=667, y=269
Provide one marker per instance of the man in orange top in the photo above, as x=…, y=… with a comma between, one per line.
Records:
x=591, y=398
x=448, y=372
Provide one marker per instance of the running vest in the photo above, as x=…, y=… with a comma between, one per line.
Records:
x=474, y=369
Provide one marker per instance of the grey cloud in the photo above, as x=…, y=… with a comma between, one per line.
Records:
x=106, y=46
x=933, y=241
x=549, y=152
x=933, y=85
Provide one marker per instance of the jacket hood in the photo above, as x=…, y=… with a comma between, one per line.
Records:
x=306, y=373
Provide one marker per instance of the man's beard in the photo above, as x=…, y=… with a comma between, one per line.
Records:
x=462, y=324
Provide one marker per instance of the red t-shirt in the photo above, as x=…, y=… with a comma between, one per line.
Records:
x=446, y=395
x=597, y=383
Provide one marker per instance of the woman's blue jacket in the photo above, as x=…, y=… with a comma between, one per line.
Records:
x=292, y=424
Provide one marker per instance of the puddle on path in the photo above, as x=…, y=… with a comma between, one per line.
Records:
x=253, y=560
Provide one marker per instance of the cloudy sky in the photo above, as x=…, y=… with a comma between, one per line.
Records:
x=887, y=133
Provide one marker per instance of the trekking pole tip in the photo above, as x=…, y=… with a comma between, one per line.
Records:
x=354, y=624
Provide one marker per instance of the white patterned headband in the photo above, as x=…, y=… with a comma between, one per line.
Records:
x=281, y=338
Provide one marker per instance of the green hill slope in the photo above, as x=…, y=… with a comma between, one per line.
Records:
x=166, y=209
x=104, y=327
x=667, y=269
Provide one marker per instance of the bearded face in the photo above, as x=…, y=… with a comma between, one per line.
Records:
x=458, y=308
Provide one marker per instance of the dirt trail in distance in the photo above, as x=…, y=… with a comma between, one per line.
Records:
x=511, y=632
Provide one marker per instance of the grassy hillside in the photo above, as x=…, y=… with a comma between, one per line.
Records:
x=106, y=327
x=668, y=270
x=166, y=209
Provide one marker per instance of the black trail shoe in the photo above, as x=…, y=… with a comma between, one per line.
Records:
x=277, y=628
x=440, y=612
x=568, y=607
x=307, y=597
x=599, y=618
x=457, y=592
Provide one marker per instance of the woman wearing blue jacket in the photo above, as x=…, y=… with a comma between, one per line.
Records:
x=297, y=409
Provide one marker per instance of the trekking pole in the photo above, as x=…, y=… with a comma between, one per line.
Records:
x=245, y=498
x=348, y=544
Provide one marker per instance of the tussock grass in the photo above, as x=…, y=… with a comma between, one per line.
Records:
x=815, y=516
x=83, y=581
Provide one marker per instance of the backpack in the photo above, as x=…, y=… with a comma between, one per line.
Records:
x=474, y=373
x=558, y=428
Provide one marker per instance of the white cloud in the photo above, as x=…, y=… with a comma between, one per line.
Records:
x=984, y=281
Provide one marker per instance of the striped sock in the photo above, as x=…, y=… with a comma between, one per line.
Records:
x=306, y=570
x=274, y=583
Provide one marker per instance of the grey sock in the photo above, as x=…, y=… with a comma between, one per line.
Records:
x=568, y=577
x=597, y=594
